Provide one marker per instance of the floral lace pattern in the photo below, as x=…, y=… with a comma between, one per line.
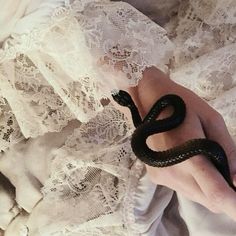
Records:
x=65, y=66
x=93, y=164
x=45, y=110
x=195, y=32
x=50, y=89
x=212, y=77
x=215, y=12
x=9, y=129
x=204, y=59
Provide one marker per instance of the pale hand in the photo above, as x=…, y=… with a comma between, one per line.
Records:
x=196, y=178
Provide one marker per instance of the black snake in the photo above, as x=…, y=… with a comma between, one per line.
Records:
x=149, y=126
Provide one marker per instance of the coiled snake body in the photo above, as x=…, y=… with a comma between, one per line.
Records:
x=149, y=126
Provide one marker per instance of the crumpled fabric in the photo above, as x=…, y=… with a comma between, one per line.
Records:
x=74, y=171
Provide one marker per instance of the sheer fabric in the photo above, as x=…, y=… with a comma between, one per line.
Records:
x=59, y=63
x=73, y=55
x=38, y=68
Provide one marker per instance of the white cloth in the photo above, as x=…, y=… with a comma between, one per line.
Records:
x=58, y=61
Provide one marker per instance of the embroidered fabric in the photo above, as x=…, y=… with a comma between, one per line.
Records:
x=93, y=178
x=42, y=89
x=63, y=67
x=195, y=30
x=39, y=68
x=204, y=58
x=9, y=129
x=212, y=77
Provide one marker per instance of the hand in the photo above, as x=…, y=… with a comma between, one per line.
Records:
x=195, y=178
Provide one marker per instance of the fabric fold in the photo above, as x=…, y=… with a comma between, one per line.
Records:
x=71, y=57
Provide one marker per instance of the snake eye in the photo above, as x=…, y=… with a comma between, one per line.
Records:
x=123, y=98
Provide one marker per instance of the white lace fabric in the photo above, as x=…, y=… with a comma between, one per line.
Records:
x=204, y=58
x=74, y=55
x=200, y=27
x=92, y=187
x=92, y=182
x=51, y=75
x=59, y=71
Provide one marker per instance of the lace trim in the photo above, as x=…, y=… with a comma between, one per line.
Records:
x=9, y=129
x=128, y=203
x=91, y=172
x=194, y=35
x=213, y=78
x=40, y=79
x=215, y=12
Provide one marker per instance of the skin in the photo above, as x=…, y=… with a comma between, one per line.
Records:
x=196, y=178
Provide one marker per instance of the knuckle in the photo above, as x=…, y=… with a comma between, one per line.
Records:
x=217, y=195
x=217, y=117
x=215, y=120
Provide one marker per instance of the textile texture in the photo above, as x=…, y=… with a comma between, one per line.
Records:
x=65, y=148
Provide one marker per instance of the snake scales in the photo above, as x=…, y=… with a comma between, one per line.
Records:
x=149, y=126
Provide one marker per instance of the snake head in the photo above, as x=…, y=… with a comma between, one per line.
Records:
x=123, y=98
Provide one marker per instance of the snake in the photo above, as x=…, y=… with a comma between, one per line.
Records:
x=150, y=125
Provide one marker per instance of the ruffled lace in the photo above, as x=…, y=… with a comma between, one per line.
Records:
x=195, y=30
x=63, y=67
x=96, y=186
x=74, y=57
x=60, y=70
x=212, y=77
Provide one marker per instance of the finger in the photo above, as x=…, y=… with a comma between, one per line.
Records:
x=213, y=185
x=203, y=201
x=193, y=192
x=217, y=131
x=181, y=182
